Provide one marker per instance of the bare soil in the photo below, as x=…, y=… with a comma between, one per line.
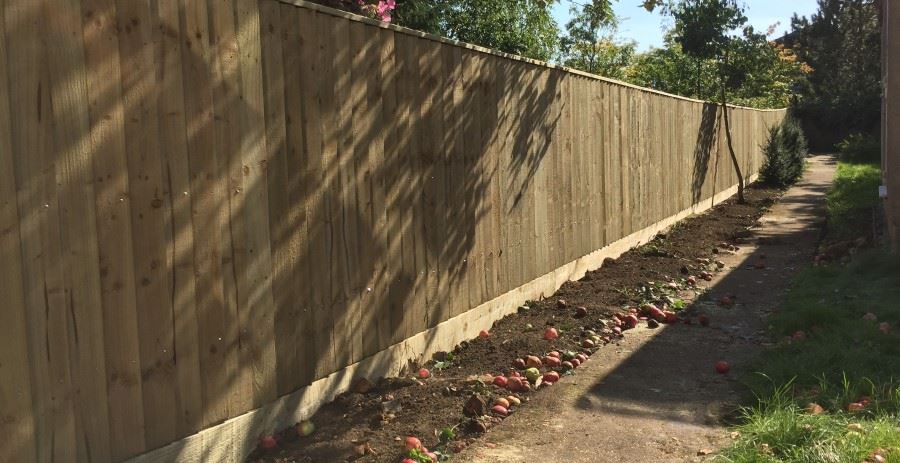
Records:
x=371, y=426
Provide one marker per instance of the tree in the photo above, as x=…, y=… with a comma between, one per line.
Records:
x=670, y=70
x=842, y=44
x=589, y=44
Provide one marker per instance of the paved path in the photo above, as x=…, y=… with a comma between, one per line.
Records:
x=655, y=397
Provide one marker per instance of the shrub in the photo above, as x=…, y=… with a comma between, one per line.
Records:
x=858, y=147
x=785, y=151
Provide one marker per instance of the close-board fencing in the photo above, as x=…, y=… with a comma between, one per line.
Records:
x=208, y=204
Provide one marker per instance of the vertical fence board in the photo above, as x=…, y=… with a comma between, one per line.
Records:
x=174, y=146
x=18, y=424
x=114, y=234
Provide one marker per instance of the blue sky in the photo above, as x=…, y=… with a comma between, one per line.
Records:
x=647, y=28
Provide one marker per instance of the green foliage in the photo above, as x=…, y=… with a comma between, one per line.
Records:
x=785, y=151
x=858, y=147
x=851, y=199
x=589, y=43
x=702, y=26
x=754, y=71
x=842, y=44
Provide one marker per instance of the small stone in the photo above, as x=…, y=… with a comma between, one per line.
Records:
x=703, y=452
x=561, y=303
x=581, y=312
x=651, y=323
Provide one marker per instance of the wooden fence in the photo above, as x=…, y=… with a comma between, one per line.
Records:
x=205, y=205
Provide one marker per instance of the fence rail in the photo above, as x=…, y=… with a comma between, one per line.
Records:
x=206, y=205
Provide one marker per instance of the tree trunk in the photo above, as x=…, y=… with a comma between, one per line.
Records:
x=734, y=159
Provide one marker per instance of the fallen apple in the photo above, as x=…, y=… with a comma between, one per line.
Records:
x=267, y=443
x=551, y=362
x=519, y=363
x=671, y=317
x=553, y=354
x=814, y=409
x=500, y=410
x=581, y=358
x=514, y=384
x=513, y=400
x=870, y=317
x=587, y=344
x=484, y=334
x=630, y=321
x=551, y=334
x=412, y=443
x=532, y=374
x=575, y=363
x=855, y=407
x=561, y=303
x=799, y=336
x=884, y=327
x=501, y=381
x=581, y=312
x=567, y=365
x=305, y=428
x=424, y=373
x=533, y=361
x=551, y=377
x=722, y=367
x=502, y=402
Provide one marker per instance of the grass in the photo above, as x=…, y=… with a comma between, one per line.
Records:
x=852, y=198
x=842, y=360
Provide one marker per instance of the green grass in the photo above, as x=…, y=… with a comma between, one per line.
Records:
x=851, y=199
x=842, y=359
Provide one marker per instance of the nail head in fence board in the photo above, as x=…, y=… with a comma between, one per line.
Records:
x=114, y=234
x=16, y=406
x=174, y=145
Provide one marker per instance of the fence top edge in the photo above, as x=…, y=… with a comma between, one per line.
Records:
x=424, y=35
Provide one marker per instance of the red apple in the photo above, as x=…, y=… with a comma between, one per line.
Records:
x=722, y=367
x=267, y=443
x=412, y=443
x=551, y=334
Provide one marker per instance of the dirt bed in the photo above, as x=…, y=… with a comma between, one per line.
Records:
x=371, y=426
